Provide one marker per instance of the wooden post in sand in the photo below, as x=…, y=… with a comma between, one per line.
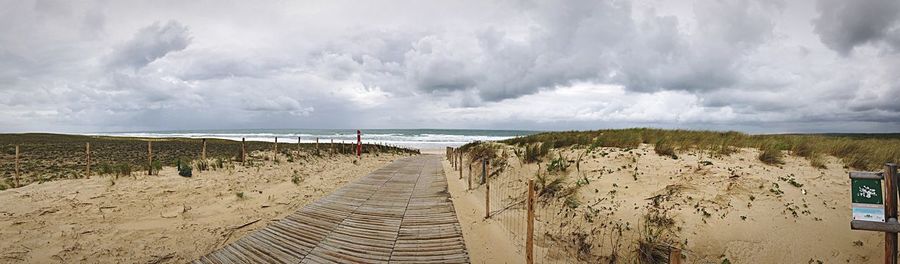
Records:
x=675, y=255
x=487, y=190
x=332, y=146
x=243, y=151
x=529, y=228
x=453, y=158
x=17, y=166
x=470, y=175
x=87, y=152
x=275, y=155
x=890, y=212
x=149, y=157
x=317, y=146
x=460, y=166
x=456, y=158
x=203, y=152
x=298, y=145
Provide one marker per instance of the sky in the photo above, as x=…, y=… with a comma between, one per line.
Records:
x=756, y=66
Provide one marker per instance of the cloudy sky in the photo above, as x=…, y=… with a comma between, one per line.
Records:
x=755, y=66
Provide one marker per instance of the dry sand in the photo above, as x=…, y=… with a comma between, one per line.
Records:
x=480, y=234
x=164, y=218
x=729, y=209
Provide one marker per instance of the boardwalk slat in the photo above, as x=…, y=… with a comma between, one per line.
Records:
x=400, y=213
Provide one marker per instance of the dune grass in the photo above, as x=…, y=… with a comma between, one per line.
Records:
x=46, y=156
x=858, y=151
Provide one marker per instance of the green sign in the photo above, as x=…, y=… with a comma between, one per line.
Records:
x=866, y=191
x=867, y=200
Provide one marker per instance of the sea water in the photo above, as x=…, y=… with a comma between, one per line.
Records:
x=411, y=138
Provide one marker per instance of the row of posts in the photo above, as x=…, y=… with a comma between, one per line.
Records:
x=455, y=157
x=87, y=147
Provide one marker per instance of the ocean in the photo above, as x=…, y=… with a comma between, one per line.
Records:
x=412, y=138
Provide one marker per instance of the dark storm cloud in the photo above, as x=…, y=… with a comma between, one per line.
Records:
x=843, y=25
x=149, y=44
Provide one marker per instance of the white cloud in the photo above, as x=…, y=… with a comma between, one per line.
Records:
x=734, y=64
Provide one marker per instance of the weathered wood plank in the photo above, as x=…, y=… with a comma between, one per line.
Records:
x=400, y=213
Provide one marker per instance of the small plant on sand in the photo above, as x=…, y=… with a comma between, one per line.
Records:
x=220, y=164
x=770, y=154
x=105, y=169
x=548, y=187
x=202, y=165
x=240, y=195
x=817, y=161
x=184, y=168
x=156, y=165
x=656, y=237
x=665, y=148
x=295, y=178
x=572, y=202
x=535, y=152
x=558, y=165
x=123, y=169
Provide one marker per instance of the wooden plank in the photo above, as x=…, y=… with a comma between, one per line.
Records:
x=400, y=213
x=866, y=175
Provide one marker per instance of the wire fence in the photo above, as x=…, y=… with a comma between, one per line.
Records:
x=25, y=159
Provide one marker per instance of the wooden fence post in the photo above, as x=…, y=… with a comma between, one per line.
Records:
x=675, y=255
x=298, y=146
x=460, y=166
x=487, y=190
x=529, y=229
x=17, y=166
x=332, y=146
x=453, y=158
x=149, y=157
x=275, y=156
x=470, y=175
x=87, y=152
x=203, y=153
x=890, y=212
x=243, y=151
x=317, y=145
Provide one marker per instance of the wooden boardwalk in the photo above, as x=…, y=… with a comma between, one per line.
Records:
x=398, y=214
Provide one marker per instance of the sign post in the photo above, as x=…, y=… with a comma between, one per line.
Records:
x=875, y=208
x=358, y=144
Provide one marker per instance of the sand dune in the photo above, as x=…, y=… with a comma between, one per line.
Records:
x=727, y=207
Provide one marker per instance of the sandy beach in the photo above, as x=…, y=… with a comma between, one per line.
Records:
x=163, y=218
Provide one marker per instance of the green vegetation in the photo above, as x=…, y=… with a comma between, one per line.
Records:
x=295, y=178
x=656, y=237
x=55, y=156
x=858, y=151
x=664, y=148
x=123, y=169
x=547, y=187
x=184, y=168
x=558, y=164
x=770, y=154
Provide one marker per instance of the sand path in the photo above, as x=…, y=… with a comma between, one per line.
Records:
x=399, y=213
